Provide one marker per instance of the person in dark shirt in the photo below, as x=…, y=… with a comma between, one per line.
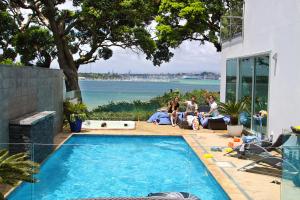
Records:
x=173, y=109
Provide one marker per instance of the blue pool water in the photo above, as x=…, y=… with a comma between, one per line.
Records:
x=121, y=166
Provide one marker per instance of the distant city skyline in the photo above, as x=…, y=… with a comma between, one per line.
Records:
x=191, y=57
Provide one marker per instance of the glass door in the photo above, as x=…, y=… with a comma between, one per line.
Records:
x=260, y=95
x=245, y=88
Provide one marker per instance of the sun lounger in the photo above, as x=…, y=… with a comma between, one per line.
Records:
x=260, y=146
x=273, y=161
x=263, y=155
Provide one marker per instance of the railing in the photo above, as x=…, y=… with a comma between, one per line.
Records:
x=231, y=27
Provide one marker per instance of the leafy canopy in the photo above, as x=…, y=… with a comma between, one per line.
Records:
x=192, y=20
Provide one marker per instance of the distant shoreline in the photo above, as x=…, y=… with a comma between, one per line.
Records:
x=153, y=80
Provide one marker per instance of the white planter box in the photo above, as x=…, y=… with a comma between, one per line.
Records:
x=235, y=131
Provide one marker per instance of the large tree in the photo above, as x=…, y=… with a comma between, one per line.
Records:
x=87, y=30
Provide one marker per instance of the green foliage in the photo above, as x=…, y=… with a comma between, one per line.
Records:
x=35, y=43
x=233, y=109
x=9, y=61
x=8, y=28
x=132, y=116
x=139, y=110
x=102, y=24
x=73, y=111
x=129, y=106
x=15, y=168
x=192, y=20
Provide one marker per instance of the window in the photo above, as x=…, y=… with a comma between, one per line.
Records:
x=231, y=79
x=247, y=79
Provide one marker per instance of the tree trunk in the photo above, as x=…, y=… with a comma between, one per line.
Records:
x=65, y=57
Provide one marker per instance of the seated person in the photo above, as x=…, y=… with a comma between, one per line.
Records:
x=191, y=107
x=213, y=112
x=173, y=109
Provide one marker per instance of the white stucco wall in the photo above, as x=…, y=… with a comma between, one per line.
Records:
x=273, y=26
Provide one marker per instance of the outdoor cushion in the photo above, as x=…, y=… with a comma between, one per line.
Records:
x=153, y=118
x=156, y=116
x=163, y=115
x=164, y=121
x=244, y=118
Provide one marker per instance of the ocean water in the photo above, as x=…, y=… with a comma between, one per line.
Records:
x=121, y=166
x=95, y=92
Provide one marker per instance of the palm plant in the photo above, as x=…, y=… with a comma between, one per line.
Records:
x=75, y=111
x=16, y=168
x=233, y=109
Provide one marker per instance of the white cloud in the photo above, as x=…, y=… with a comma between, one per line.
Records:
x=190, y=57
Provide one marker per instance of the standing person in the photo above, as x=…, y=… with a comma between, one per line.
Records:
x=173, y=109
x=191, y=107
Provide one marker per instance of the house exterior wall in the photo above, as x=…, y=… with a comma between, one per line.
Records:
x=272, y=27
x=24, y=90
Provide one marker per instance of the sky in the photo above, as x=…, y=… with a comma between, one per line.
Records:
x=190, y=57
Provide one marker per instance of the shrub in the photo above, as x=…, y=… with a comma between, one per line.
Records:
x=140, y=110
x=73, y=111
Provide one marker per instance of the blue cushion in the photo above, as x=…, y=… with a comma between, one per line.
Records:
x=226, y=119
x=204, y=121
x=164, y=121
x=163, y=115
x=245, y=118
x=153, y=118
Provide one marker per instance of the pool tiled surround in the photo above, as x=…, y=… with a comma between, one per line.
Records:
x=238, y=185
x=231, y=189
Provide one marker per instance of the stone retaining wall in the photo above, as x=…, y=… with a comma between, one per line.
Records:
x=26, y=90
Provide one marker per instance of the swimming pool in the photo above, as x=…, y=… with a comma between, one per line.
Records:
x=121, y=166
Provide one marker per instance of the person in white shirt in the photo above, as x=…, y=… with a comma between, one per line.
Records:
x=213, y=112
x=191, y=107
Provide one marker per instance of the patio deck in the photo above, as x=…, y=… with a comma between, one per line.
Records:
x=239, y=185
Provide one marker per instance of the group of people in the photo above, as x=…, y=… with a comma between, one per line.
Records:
x=192, y=110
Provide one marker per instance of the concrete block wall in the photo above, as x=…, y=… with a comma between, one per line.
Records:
x=25, y=90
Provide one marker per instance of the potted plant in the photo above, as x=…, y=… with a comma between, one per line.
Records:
x=75, y=113
x=233, y=110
